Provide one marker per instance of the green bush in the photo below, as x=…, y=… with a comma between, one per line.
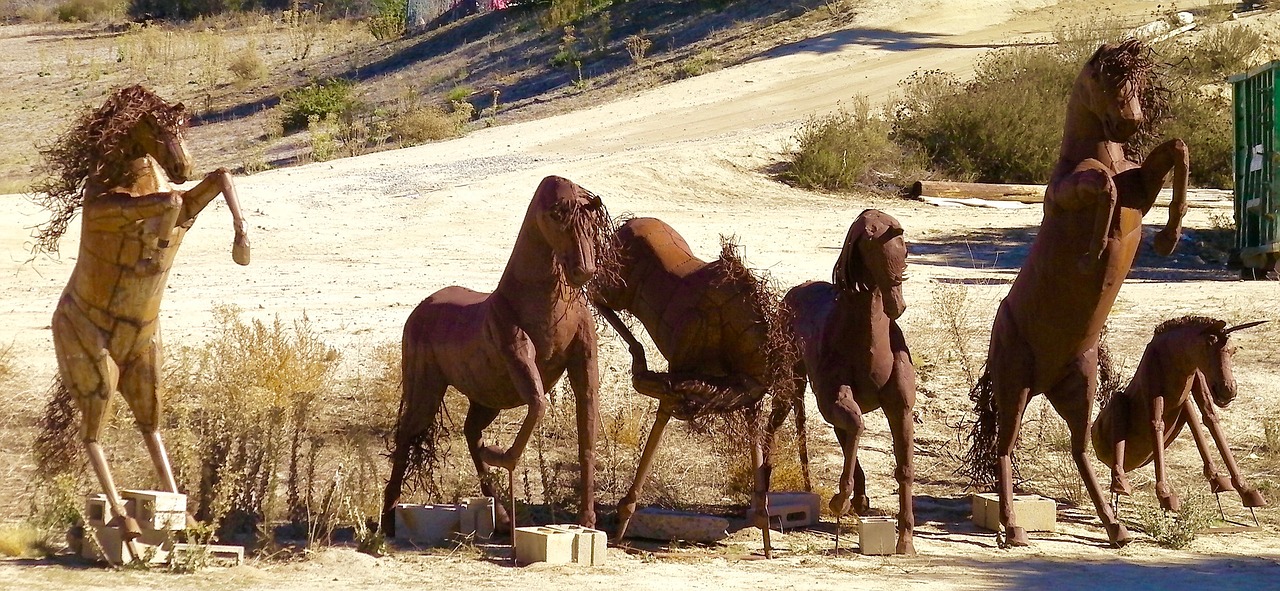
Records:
x=388, y=19
x=87, y=11
x=842, y=150
x=333, y=97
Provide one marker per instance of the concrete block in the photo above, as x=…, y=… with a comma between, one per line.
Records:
x=590, y=546
x=154, y=545
x=477, y=518
x=231, y=555
x=666, y=524
x=543, y=544
x=156, y=509
x=96, y=510
x=878, y=535
x=427, y=525
x=788, y=510
x=1035, y=513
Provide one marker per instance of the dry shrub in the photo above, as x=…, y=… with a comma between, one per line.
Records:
x=243, y=416
x=90, y=11
x=1046, y=466
x=1176, y=530
x=843, y=150
x=429, y=123
x=247, y=65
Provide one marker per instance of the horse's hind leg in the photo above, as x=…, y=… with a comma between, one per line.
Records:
x=138, y=386
x=419, y=405
x=479, y=417
x=1072, y=397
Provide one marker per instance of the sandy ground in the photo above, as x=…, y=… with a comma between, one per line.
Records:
x=356, y=243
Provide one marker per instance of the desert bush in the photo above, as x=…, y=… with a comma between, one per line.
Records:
x=247, y=65
x=243, y=416
x=842, y=150
x=318, y=99
x=429, y=123
x=88, y=11
x=388, y=19
x=698, y=64
x=1219, y=53
x=1176, y=530
x=637, y=47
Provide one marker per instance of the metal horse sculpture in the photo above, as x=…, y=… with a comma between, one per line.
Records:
x=716, y=325
x=106, y=330
x=1046, y=330
x=856, y=358
x=507, y=348
x=1186, y=367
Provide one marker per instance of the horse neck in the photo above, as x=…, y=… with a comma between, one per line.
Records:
x=1083, y=136
x=138, y=174
x=1167, y=363
x=862, y=315
x=530, y=280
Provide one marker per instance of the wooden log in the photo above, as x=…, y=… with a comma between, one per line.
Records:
x=1211, y=198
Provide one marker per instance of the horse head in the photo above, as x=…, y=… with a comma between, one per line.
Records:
x=1218, y=352
x=1111, y=85
x=874, y=258
x=575, y=224
x=165, y=140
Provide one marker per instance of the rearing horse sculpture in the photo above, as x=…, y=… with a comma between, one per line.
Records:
x=716, y=324
x=507, y=348
x=856, y=357
x=1186, y=367
x=106, y=328
x=1046, y=330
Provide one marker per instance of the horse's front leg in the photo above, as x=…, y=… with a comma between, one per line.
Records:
x=627, y=505
x=518, y=354
x=1090, y=185
x=584, y=377
x=194, y=201
x=1249, y=496
x=1217, y=482
x=1171, y=155
x=842, y=411
x=898, y=400
x=1168, y=499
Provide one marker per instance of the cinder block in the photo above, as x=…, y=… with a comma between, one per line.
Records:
x=878, y=535
x=1035, y=513
x=543, y=544
x=590, y=546
x=154, y=545
x=665, y=524
x=96, y=510
x=427, y=525
x=233, y=555
x=477, y=518
x=788, y=510
x=156, y=509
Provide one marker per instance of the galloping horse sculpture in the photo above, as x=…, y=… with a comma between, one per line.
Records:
x=1046, y=330
x=507, y=348
x=716, y=325
x=106, y=330
x=856, y=358
x=1186, y=367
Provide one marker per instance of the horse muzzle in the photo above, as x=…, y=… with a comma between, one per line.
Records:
x=1223, y=394
x=894, y=304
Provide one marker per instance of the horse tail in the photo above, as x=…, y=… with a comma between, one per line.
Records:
x=980, y=462
x=419, y=428
x=1110, y=381
x=56, y=449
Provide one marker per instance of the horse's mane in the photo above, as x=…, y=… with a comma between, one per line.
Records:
x=601, y=230
x=1131, y=61
x=1188, y=320
x=92, y=147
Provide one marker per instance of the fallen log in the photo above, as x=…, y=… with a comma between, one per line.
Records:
x=1210, y=198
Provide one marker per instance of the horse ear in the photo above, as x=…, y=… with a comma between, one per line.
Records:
x=1244, y=326
x=850, y=273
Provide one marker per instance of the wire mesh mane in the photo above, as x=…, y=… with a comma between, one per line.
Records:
x=1131, y=61
x=600, y=229
x=93, y=147
x=1189, y=320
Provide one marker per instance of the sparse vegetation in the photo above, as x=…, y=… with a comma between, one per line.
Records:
x=247, y=65
x=334, y=97
x=1176, y=530
x=388, y=19
x=842, y=150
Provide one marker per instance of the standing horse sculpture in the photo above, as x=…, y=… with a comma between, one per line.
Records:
x=505, y=349
x=1045, y=335
x=106, y=330
x=1186, y=367
x=716, y=324
x=856, y=357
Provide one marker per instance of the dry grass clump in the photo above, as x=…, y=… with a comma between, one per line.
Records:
x=247, y=65
x=430, y=123
x=843, y=150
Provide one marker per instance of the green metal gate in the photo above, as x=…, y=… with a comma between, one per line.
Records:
x=1256, y=97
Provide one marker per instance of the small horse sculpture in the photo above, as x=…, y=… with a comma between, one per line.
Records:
x=106, y=330
x=507, y=348
x=716, y=325
x=1187, y=366
x=856, y=358
x=1045, y=335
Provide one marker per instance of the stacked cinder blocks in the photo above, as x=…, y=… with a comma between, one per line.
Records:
x=877, y=535
x=1035, y=513
x=560, y=544
x=159, y=515
x=789, y=510
x=429, y=525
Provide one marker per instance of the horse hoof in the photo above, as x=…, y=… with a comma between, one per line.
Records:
x=1017, y=536
x=495, y=456
x=1219, y=483
x=906, y=546
x=839, y=505
x=861, y=504
x=1119, y=535
x=131, y=528
x=1170, y=503
x=1252, y=498
x=1120, y=486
